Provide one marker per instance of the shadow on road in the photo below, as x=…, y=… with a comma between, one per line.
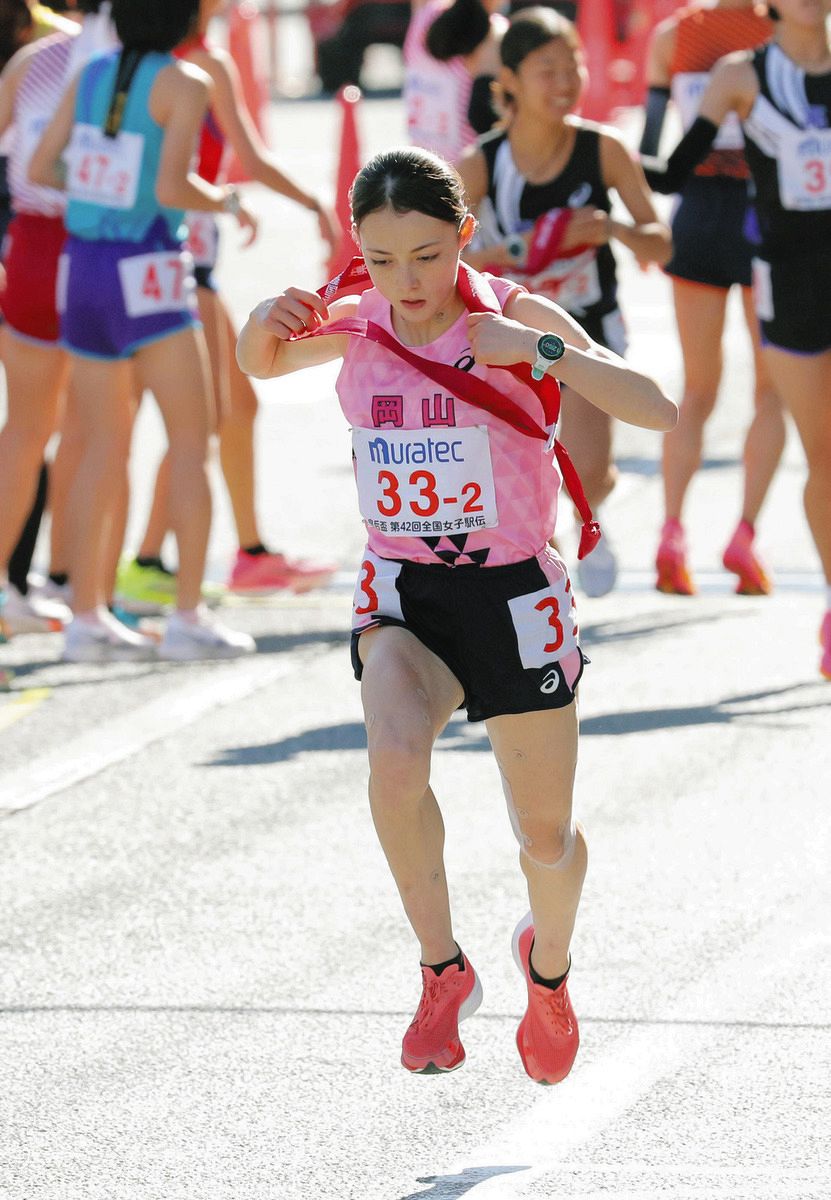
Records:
x=459, y=735
x=349, y=736
x=448, y=1187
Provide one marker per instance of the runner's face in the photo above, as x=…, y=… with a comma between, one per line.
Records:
x=548, y=82
x=413, y=260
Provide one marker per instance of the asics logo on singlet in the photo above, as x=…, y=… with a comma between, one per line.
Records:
x=580, y=196
x=429, y=450
x=550, y=683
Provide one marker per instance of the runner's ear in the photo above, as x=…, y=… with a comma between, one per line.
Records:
x=466, y=230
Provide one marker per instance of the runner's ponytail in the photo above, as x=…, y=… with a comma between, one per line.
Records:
x=458, y=30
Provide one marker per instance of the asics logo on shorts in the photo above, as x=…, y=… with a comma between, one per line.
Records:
x=550, y=683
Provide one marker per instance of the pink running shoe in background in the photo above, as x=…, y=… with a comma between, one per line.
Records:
x=825, y=642
x=259, y=574
x=741, y=558
x=674, y=576
x=547, y=1037
x=432, y=1044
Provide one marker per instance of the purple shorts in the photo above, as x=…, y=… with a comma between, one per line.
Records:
x=115, y=297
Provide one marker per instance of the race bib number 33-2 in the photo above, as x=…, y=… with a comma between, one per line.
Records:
x=103, y=170
x=419, y=482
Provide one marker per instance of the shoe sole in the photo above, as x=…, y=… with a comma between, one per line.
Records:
x=298, y=587
x=753, y=580
x=20, y=626
x=467, y=1009
x=674, y=582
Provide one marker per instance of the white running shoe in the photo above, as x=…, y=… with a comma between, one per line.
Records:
x=206, y=637
x=32, y=613
x=47, y=589
x=597, y=572
x=101, y=638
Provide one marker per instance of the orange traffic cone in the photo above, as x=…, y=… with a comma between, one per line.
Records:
x=596, y=26
x=349, y=163
x=242, y=20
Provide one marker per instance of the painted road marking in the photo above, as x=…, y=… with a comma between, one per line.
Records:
x=123, y=736
x=20, y=706
x=600, y=1092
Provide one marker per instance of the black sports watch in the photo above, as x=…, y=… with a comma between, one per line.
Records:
x=550, y=348
x=516, y=248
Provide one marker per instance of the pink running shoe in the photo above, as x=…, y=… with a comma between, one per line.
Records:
x=432, y=1044
x=259, y=574
x=825, y=642
x=674, y=576
x=547, y=1037
x=742, y=560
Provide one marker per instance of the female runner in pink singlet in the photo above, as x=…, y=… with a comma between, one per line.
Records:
x=460, y=600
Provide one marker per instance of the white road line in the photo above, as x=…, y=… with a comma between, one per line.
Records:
x=600, y=1092
x=133, y=731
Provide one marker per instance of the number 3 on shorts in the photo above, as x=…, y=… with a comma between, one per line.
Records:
x=375, y=592
x=544, y=625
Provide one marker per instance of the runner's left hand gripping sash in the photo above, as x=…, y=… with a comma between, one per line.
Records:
x=478, y=296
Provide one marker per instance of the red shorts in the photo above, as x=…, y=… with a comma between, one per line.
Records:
x=33, y=248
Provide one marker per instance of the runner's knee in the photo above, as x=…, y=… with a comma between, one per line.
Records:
x=399, y=764
x=544, y=839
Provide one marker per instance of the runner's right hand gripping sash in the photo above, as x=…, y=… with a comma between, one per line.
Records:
x=478, y=297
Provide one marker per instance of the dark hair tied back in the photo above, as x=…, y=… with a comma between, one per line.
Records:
x=458, y=30
x=532, y=28
x=409, y=180
x=153, y=25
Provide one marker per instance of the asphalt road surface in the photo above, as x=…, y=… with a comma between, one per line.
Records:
x=204, y=971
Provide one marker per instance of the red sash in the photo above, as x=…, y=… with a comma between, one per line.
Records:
x=478, y=296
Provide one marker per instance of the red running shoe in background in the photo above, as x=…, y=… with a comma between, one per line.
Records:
x=741, y=558
x=674, y=576
x=259, y=574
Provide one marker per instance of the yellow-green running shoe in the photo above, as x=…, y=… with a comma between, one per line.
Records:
x=145, y=591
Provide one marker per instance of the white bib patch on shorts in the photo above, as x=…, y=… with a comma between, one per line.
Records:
x=423, y=482
x=203, y=238
x=157, y=283
x=61, y=283
x=762, y=290
x=375, y=591
x=544, y=624
x=103, y=170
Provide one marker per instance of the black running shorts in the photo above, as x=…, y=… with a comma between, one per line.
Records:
x=708, y=242
x=501, y=630
x=793, y=301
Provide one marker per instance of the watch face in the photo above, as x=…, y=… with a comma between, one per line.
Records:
x=516, y=248
x=550, y=346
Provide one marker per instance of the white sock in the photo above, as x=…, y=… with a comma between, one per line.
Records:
x=828, y=597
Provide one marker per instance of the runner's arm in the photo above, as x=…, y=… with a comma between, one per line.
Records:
x=10, y=78
x=263, y=346
x=658, y=76
x=178, y=102
x=648, y=238
x=46, y=166
x=232, y=113
x=733, y=87
x=595, y=372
